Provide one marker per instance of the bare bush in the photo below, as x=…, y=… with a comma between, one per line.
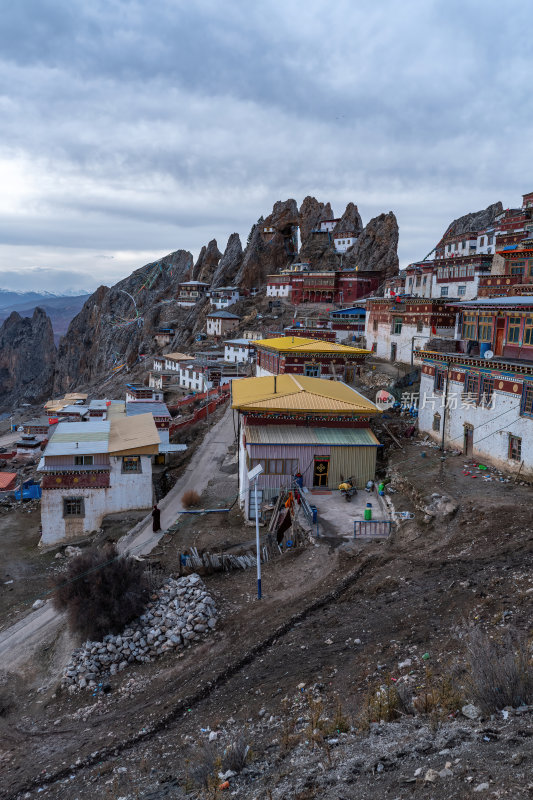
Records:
x=235, y=755
x=190, y=499
x=501, y=672
x=202, y=767
x=101, y=592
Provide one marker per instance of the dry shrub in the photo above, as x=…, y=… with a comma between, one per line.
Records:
x=501, y=672
x=202, y=768
x=235, y=755
x=190, y=499
x=386, y=703
x=101, y=592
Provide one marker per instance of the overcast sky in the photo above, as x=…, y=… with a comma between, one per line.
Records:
x=129, y=128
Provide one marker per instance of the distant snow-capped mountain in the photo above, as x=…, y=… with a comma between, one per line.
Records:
x=11, y=297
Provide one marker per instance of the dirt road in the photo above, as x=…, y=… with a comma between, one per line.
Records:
x=18, y=642
x=141, y=540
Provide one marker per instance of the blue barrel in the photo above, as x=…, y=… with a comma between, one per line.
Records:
x=483, y=347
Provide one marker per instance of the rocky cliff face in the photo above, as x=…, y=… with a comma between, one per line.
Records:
x=230, y=263
x=312, y=212
x=207, y=262
x=27, y=359
x=475, y=221
x=116, y=325
x=377, y=247
x=267, y=255
x=350, y=222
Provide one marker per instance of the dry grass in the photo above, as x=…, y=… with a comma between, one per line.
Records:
x=190, y=499
x=501, y=671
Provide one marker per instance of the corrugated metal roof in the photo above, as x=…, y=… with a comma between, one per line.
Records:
x=6, y=478
x=223, y=315
x=299, y=344
x=285, y=435
x=79, y=438
x=155, y=409
x=78, y=410
x=517, y=300
x=299, y=393
x=129, y=433
x=166, y=447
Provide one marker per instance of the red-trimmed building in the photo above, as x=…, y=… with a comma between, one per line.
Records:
x=478, y=396
x=394, y=328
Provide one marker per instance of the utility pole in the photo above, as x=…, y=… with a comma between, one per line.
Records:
x=253, y=475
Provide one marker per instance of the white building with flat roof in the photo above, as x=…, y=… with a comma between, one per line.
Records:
x=91, y=469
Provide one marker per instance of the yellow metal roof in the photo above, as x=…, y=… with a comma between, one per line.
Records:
x=67, y=400
x=299, y=393
x=133, y=434
x=176, y=356
x=299, y=344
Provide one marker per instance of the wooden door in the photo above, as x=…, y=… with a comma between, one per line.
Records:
x=320, y=471
x=468, y=443
x=500, y=329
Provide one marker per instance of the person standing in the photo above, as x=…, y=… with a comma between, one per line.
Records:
x=156, y=516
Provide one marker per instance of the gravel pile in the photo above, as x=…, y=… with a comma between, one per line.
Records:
x=182, y=613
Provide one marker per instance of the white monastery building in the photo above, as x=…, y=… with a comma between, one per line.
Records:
x=91, y=469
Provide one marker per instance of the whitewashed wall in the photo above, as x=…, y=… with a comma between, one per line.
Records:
x=492, y=426
x=127, y=491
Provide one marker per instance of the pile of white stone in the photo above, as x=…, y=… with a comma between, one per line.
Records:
x=182, y=613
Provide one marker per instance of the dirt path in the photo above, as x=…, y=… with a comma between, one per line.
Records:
x=141, y=540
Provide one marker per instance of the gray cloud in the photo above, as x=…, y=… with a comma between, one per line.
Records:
x=147, y=127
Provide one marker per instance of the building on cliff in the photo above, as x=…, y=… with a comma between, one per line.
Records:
x=190, y=292
x=395, y=327
x=95, y=468
x=224, y=297
x=219, y=323
x=296, y=425
x=306, y=286
x=311, y=357
x=477, y=395
x=348, y=323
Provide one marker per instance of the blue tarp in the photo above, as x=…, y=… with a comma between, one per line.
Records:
x=29, y=492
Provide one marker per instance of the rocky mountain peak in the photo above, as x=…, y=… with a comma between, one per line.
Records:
x=312, y=212
x=377, y=247
x=207, y=262
x=350, y=222
x=230, y=263
x=475, y=221
x=27, y=358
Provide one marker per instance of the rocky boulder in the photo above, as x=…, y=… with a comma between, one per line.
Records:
x=27, y=358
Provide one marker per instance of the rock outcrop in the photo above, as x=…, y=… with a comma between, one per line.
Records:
x=230, y=263
x=312, y=212
x=207, y=262
x=475, y=221
x=376, y=249
x=267, y=255
x=350, y=222
x=27, y=358
x=116, y=325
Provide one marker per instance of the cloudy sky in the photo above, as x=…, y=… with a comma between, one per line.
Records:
x=130, y=128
